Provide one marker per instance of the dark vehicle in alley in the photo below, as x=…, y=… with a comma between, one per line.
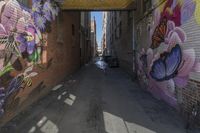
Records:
x=112, y=61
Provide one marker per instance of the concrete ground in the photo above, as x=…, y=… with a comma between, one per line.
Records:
x=92, y=102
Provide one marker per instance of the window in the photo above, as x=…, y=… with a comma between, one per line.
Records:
x=73, y=30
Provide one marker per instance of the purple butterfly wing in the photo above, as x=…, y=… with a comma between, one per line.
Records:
x=158, y=70
x=173, y=61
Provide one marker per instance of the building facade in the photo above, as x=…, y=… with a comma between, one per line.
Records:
x=93, y=38
x=119, y=38
x=85, y=38
x=103, y=41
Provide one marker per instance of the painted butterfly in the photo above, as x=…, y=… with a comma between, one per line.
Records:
x=159, y=34
x=166, y=67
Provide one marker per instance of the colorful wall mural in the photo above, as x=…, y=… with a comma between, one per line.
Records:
x=21, y=43
x=166, y=64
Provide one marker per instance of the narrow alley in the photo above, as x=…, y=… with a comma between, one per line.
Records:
x=99, y=66
x=92, y=102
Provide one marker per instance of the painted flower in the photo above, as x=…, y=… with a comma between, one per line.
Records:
x=179, y=11
x=47, y=10
x=55, y=12
x=21, y=25
x=47, y=15
x=175, y=35
x=48, y=6
x=25, y=13
x=163, y=90
x=40, y=22
x=28, y=40
x=172, y=11
x=187, y=66
x=36, y=7
x=44, y=11
x=34, y=1
x=187, y=10
x=3, y=31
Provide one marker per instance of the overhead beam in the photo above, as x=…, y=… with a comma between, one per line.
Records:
x=98, y=5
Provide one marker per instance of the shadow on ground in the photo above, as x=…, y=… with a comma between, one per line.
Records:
x=92, y=102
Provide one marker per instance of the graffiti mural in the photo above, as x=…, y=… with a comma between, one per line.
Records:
x=21, y=42
x=169, y=67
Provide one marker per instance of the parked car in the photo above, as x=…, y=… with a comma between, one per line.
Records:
x=106, y=58
x=113, y=62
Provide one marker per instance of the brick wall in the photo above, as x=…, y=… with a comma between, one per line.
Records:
x=60, y=59
x=189, y=97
